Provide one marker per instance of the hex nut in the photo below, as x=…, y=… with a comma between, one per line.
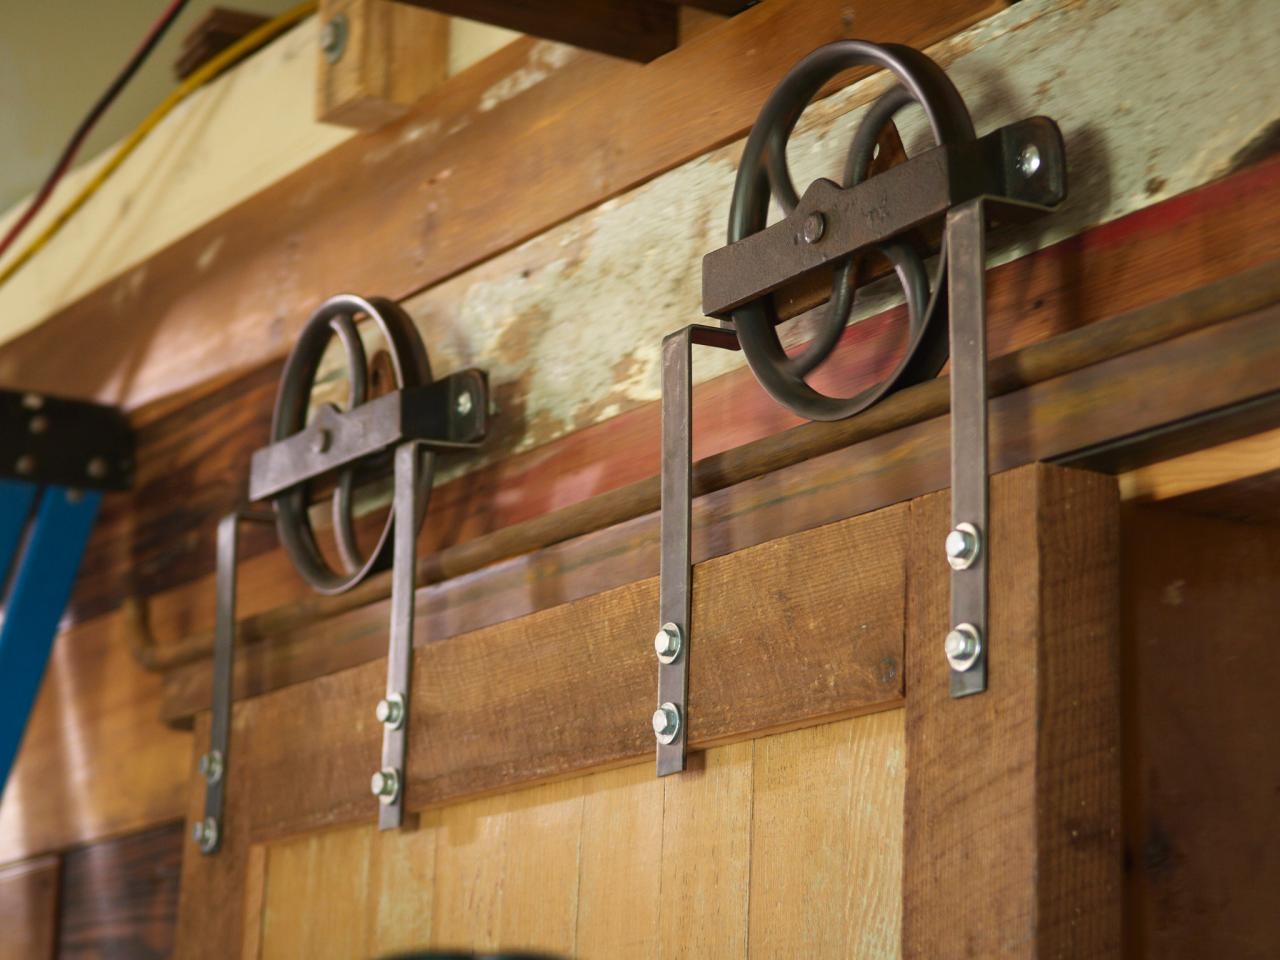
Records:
x=963, y=545
x=962, y=646
x=211, y=766
x=205, y=834
x=385, y=785
x=390, y=711
x=666, y=723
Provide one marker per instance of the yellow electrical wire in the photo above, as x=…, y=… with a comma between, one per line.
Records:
x=206, y=72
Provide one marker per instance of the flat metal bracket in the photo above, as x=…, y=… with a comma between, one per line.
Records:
x=62, y=442
x=672, y=642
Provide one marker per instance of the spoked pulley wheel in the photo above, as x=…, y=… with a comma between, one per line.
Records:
x=338, y=317
x=764, y=174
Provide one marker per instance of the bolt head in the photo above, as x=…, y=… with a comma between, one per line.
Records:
x=333, y=38
x=205, y=834
x=38, y=424
x=32, y=401
x=667, y=643
x=97, y=468
x=963, y=546
x=464, y=403
x=25, y=465
x=385, y=785
x=1029, y=160
x=815, y=225
x=962, y=646
x=666, y=723
x=211, y=766
x=390, y=711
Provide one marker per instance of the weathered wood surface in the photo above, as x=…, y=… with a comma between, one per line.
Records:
x=1202, y=761
x=425, y=207
x=193, y=463
x=392, y=57
x=29, y=909
x=95, y=759
x=1012, y=824
x=621, y=864
x=120, y=897
x=1226, y=363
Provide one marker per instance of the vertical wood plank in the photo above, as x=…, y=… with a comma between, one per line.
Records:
x=826, y=850
x=621, y=863
x=1012, y=796
x=403, y=889
x=706, y=849
x=29, y=909
x=1202, y=761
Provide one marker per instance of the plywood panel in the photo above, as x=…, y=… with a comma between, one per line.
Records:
x=29, y=910
x=622, y=865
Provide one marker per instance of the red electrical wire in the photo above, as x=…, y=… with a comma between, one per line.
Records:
x=69, y=152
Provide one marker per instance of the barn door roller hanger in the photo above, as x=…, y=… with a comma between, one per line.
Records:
x=398, y=432
x=883, y=211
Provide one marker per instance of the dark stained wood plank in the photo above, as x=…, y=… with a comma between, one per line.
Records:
x=29, y=909
x=1013, y=796
x=632, y=29
x=120, y=897
x=1202, y=761
x=594, y=129
x=1230, y=363
x=193, y=462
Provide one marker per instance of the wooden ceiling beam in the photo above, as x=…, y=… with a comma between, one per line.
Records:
x=631, y=29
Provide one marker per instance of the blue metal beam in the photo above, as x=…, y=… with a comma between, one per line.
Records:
x=41, y=572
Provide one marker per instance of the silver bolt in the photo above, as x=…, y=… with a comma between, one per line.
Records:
x=97, y=468
x=321, y=440
x=211, y=766
x=1029, y=160
x=962, y=646
x=465, y=403
x=26, y=465
x=385, y=785
x=333, y=38
x=205, y=834
x=38, y=424
x=666, y=723
x=667, y=642
x=32, y=401
x=963, y=545
x=390, y=711
x=815, y=225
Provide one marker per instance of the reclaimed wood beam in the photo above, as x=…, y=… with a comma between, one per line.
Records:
x=631, y=29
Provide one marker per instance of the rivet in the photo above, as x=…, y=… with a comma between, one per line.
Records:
x=963, y=545
x=32, y=401
x=666, y=723
x=25, y=465
x=1029, y=160
x=38, y=424
x=815, y=225
x=667, y=643
x=464, y=403
x=97, y=468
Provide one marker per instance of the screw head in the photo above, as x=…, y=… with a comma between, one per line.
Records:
x=205, y=834
x=1029, y=160
x=464, y=403
x=38, y=424
x=667, y=643
x=211, y=766
x=97, y=468
x=333, y=38
x=666, y=723
x=962, y=646
x=25, y=465
x=385, y=785
x=815, y=225
x=32, y=401
x=963, y=545
x=390, y=711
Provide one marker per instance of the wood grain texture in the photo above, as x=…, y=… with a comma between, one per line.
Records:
x=623, y=866
x=1013, y=796
x=29, y=909
x=632, y=29
x=428, y=200
x=120, y=897
x=95, y=761
x=1060, y=412
x=393, y=56
x=1202, y=768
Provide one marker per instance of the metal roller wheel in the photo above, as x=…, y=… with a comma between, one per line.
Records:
x=410, y=366
x=763, y=173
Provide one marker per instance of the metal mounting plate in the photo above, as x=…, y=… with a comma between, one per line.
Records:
x=61, y=442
